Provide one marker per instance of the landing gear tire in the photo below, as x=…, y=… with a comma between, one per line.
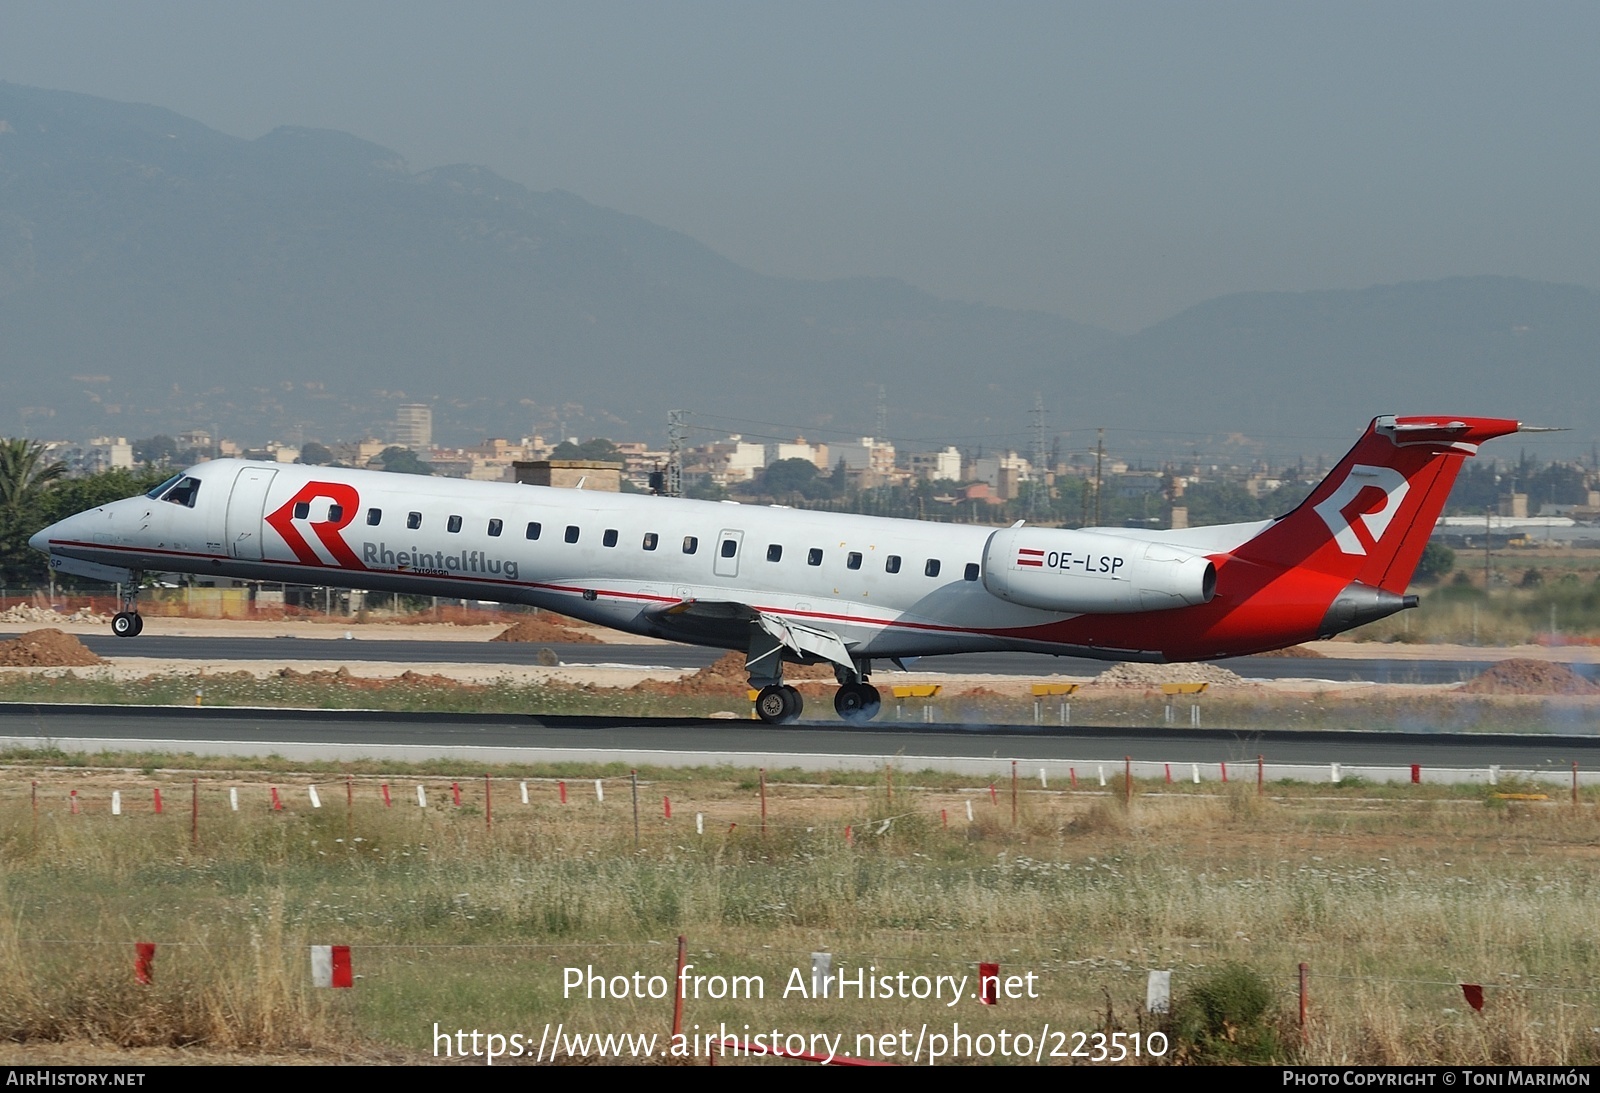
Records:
x=857, y=702
x=127, y=624
x=779, y=705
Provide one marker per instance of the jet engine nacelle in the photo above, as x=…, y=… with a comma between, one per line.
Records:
x=1091, y=573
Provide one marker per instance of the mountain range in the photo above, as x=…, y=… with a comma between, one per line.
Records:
x=157, y=275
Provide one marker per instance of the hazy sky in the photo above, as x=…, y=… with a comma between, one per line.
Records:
x=1110, y=162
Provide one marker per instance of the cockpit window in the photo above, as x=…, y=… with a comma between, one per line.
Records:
x=155, y=494
x=184, y=493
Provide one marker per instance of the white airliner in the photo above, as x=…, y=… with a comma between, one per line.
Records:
x=787, y=585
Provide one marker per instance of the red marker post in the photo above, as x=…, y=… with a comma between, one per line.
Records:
x=989, y=984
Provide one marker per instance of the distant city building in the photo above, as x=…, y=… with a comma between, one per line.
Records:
x=413, y=426
x=934, y=466
x=1005, y=473
x=104, y=453
x=815, y=454
x=588, y=474
x=745, y=460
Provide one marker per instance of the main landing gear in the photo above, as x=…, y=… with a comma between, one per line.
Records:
x=128, y=623
x=779, y=704
x=856, y=702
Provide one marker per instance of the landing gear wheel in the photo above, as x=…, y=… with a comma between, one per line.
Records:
x=126, y=624
x=857, y=702
x=779, y=705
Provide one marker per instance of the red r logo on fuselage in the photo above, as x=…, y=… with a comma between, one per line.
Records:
x=345, y=498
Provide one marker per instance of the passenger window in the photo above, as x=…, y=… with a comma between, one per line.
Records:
x=853, y=560
x=972, y=571
x=774, y=553
x=690, y=544
x=495, y=527
x=413, y=520
x=730, y=547
x=572, y=533
x=453, y=524
x=932, y=568
x=891, y=564
x=609, y=538
x=533, y=529
x=814, y=556
x=302, y=509
x=650, y=540
x=374, y=516
x=335, y=513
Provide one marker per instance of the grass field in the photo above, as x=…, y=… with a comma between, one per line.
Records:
x=1393, y=895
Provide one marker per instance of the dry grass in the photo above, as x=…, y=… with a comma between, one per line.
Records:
x=1392, y=895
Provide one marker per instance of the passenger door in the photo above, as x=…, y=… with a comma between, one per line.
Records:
x=246, y=505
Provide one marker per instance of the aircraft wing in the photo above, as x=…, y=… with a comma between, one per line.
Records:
x=728, y=622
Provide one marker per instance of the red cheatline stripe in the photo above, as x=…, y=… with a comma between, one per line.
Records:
x=1026, y=561
x=1030, y=550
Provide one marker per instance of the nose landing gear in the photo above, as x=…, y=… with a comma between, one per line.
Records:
x=128, y=623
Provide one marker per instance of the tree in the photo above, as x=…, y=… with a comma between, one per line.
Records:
x=790, y=477
x=24, y=472
x=25, y=475
x=1436, y=561
x=403, y=461
x=315, y=455
x=599, y=449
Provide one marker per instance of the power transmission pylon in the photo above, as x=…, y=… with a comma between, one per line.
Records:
x=677, y=433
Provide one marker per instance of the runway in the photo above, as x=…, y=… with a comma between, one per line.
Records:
x=984, y=751
x=1339, y=670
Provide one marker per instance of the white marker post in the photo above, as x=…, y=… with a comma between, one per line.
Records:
x=1158, y=992
x=116, y=802
x=821, y=964
x=316, y=802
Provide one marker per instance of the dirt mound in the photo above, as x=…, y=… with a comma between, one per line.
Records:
x=343, y=677
x=46, y=649
x=727, y=675
x=1304, y=652
x=1530, y=677
x=537, y=628
x=1153, y=675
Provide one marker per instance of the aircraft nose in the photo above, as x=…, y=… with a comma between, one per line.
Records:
x=41, y=539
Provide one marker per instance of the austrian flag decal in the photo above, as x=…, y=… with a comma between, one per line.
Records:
x=1027, y=556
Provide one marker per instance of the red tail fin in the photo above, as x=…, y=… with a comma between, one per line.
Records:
x=1370, y=519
